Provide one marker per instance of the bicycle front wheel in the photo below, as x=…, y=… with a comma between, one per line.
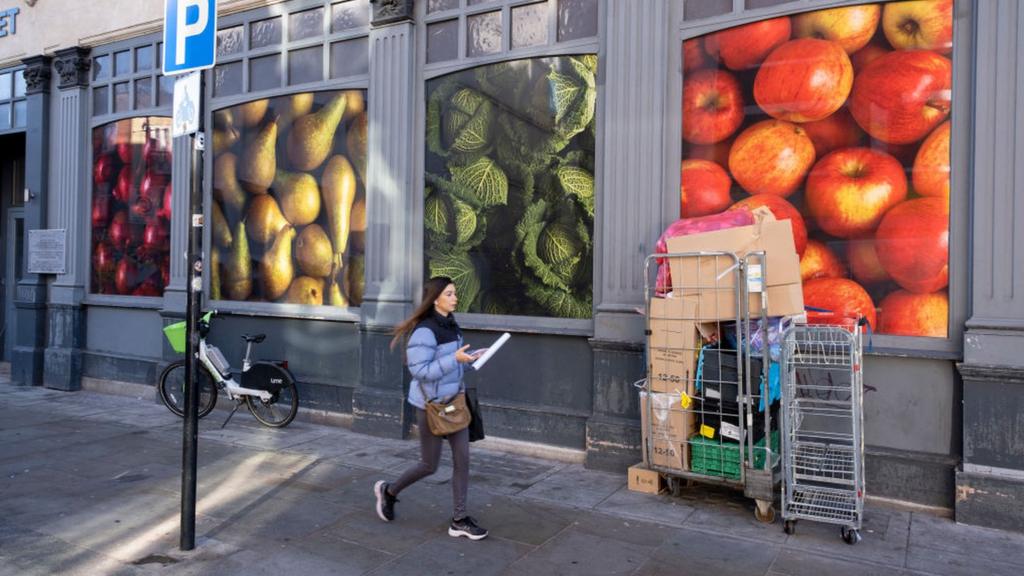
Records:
x=280, y=410
x=172, y=389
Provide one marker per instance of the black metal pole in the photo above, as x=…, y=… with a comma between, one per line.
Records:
x=190, y=435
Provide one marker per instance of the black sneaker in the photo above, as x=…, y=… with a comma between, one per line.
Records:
x=385, y=501
x=466, y=527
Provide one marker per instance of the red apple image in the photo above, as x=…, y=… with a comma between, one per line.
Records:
x=717, y=152
x=819, y=261
x=903, y=95
x=104, y=262
x=100, y=210
x=905, y=153
x=841, y=297
x=712, y=106
x=743, y=47
x=912, y=242
x=837, y=131
x=908, y=314
x=931, y=166
x=694, y=56
x=124, y=151
x=124, y=189
x=119, y=232
x=782, y=210
x=866, y=55
x=851, y=27
x=923, y=24
x=849, y=190
x=771, y=157
x=103, y=169
x=126, y=277
x=864, y=264
x=704, y=188
x=804, y=80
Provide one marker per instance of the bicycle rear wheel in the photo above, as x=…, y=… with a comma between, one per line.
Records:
x=172, y=389
x=280, y=410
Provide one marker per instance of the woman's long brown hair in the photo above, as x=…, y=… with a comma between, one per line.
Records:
x=432, y=290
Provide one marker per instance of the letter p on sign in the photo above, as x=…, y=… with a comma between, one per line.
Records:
x=190, y=31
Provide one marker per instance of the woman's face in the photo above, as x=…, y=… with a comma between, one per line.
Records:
x=447, y=301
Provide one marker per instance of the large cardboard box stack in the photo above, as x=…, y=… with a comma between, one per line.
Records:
x=672, y=343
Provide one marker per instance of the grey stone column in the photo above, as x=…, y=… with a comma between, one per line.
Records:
x=69, y=204
x=632, y=212
x=30, y=294
x=176, y=293
x=378, y=403
x=990, y=483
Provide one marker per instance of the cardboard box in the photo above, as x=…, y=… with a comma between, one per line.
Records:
x=643, y=479
x=713, y=278
x=669, y=454
x=673, y=342
x=670, y=427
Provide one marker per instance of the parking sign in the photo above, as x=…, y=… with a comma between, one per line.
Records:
x=190, y=31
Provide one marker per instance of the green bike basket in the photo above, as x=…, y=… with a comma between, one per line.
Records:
x=176, y=336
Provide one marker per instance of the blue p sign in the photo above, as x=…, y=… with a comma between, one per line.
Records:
x=190, y=29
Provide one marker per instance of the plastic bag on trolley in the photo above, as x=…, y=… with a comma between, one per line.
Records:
x=686, y=226
x=777, y=327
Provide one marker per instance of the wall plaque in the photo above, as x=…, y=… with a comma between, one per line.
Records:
x=47, y=251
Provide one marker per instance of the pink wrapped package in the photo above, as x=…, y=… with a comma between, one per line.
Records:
x=686, y=226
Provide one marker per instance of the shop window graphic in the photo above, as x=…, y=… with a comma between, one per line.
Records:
x=131, y=207
x=509, y=186
x=839, y=121
x=288, y=217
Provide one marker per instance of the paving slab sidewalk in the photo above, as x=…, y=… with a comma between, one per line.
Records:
x=90, y=484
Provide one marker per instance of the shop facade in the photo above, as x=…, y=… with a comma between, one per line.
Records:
x=533, y=151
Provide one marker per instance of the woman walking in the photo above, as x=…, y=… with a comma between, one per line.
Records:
x=436, y=357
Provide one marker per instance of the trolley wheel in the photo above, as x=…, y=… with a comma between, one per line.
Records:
x=675, y=486
x=789, y=526
x=850, y=535
x=764, y=511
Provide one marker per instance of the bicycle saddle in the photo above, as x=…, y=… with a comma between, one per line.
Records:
x=257, y=338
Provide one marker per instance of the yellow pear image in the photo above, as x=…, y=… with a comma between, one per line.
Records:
x=221, y=230
x=306, y=290
x=339, y=189
x=224, y=120
x=312, y=136
x=355, y=104
x=264, y=218
x=215, y=274
x=251, y=113
x=224, y=139
x=225, y=185
x=355, y=141
x=237, y=281
x=357, y=236
x=259, y=160
x=296, y=106
x=313, y=252
x=299, y=196
x=276, y=268
x=354, y=279
x=334, y=295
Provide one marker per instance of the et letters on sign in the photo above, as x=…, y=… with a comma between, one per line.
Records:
x=8, y=22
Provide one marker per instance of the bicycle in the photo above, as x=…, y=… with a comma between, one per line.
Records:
x=267, y=386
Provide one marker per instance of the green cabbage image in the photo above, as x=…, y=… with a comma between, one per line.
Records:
x=451, y=223
x=459, y=122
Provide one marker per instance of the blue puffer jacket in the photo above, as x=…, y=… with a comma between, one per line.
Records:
x=434, y=365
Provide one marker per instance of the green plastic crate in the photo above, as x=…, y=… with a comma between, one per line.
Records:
x=176, y=336
x=715, y=458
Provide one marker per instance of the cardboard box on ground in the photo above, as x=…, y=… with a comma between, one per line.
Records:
x=643, y=479
x=712, y=279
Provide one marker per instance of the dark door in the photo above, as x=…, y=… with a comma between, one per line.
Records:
x=12, y=184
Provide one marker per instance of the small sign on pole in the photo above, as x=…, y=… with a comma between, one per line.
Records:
x=186, y=105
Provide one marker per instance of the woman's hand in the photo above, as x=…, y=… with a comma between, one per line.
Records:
x=462, y=357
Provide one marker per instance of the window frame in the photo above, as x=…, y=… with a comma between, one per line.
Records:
x=14, y=99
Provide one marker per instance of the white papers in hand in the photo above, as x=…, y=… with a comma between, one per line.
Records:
x=491, y=350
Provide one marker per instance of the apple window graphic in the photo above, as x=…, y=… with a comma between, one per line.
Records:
x=288, y=213
x=131, y=207
x=839, y=121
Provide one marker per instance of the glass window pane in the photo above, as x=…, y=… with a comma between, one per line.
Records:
x=227, y=79
x=488, y=130
x=306, y=24
x=166, y=90
x=101, y=67
x=439, y=5
x=159, y=54
x=530, y=25
x=229, y=41
x=5, y=116
x=350, y=15
x=121, y=97
x=443, y=41
x=122, y=63
x=99, y=100
x=265, y=72
x=484, y=34
x=20, y=114
x=19, y=83
x=5, y=86
x=475, y=2
x=306, y=65
x=143, y=93
x=350, y=58
x=265, y=33
x=576, y=19
x=143, y=58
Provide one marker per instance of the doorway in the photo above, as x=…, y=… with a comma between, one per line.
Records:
x=12, y=233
